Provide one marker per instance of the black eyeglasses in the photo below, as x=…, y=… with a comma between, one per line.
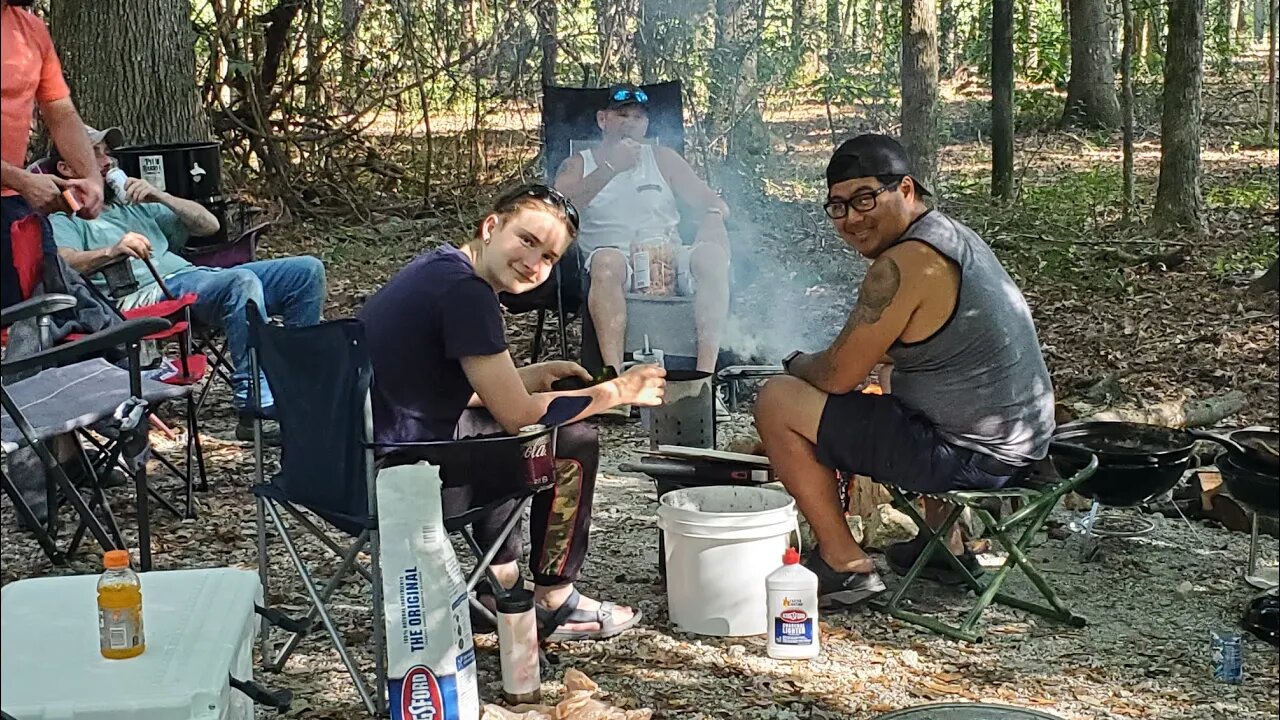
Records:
x=863, y=202
x=625, y=94
x=555, y=198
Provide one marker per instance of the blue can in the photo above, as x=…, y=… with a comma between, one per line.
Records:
x=1226, y=650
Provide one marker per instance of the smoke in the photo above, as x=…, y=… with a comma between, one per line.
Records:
x=789, y=289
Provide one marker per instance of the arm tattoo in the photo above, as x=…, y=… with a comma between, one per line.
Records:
x=878, y=290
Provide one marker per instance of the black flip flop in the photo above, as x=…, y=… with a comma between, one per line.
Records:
x=901, y=557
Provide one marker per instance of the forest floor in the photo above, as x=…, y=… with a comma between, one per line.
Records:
x=1129, y=318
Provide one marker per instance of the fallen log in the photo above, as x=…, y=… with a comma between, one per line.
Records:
x=1180, y=413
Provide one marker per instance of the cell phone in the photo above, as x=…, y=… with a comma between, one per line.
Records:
x=574, y=382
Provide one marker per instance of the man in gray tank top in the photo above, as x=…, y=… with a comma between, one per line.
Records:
x=969, y=403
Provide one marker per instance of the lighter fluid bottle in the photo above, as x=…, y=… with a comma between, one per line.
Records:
x=792, y=592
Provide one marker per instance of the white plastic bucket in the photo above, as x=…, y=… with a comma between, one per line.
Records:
x=721, y=543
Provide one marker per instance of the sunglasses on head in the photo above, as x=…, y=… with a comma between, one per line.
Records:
x=625, y=94
x=555, y=198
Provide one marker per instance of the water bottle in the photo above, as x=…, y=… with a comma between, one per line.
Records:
x=648, y=356
x=116, y=179
x=518, y=648
x=119, y=608
x=792, y=599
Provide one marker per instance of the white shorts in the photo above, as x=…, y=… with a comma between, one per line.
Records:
x=686, y=285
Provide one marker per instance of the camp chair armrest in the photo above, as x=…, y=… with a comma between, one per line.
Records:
x=115, y=336
x=463, y=443
x=36, y=307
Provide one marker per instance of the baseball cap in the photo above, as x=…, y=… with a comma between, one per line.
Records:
x=113, y=135
x=870, y=155
x=625, y=94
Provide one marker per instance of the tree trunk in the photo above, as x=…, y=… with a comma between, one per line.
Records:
x=919, y=113
x=1030, y=35
x=1126, y=106
x=1064, y=49
x=947, y=38
x=547, y=20
x=1269, y=133
x=835, y=39
x=131, y=63
x=1141, y=34
x=734, y=117
x=1002, y=98
x=1091, y=91
x=1178, y=201
x=1261, y=8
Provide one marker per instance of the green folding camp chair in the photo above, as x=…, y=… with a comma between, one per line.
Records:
x=1037, y=502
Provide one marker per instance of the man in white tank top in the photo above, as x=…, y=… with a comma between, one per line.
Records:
x=626, y=190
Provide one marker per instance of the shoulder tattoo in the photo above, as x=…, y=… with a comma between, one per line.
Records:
x=879, y=288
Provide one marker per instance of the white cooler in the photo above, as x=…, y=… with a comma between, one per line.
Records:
x=200, y=628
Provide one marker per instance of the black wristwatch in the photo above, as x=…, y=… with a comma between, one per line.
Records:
x=786, y=361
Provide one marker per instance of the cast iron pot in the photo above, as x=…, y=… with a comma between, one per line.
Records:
x=1259, y=491
x=1136, y=462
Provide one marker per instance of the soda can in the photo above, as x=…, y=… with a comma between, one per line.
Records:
x=116, y=179
x=1226, y=650
x=538, y=456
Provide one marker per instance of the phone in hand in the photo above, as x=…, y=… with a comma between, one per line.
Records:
x=574, y=382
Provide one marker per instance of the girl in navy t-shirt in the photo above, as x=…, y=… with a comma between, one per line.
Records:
x=441, y=371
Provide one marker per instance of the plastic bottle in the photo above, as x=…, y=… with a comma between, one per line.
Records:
x=792, y=592
x=518, y=648
x=120, y=608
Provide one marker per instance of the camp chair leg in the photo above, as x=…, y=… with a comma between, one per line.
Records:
x=334, y=634
x=24, y=511
x=264, y=576
x=324, y=538
x=326, y=593
x=144, y=517
x=485, y=558
x=379, y=624
x=1056, y=610
x=1031, y=519
x=537, y=335
x=894, y=606
x=194, y=448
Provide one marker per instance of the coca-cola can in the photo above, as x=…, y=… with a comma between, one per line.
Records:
x=539, y=458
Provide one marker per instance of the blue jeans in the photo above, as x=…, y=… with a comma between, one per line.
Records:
x=293, y=288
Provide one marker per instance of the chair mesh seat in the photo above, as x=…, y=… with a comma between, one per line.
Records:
x=59, y=400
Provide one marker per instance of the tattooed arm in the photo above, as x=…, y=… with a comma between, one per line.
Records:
x=891, y=292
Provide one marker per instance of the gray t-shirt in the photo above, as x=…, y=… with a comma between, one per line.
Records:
x=981, y=378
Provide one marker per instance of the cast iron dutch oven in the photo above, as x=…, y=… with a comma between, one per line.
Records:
x=1136, y=462
x=1252, y=478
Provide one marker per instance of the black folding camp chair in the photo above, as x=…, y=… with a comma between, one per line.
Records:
x=1015, y=533
x=568, y=126
x=320, y=377
x=68, y=394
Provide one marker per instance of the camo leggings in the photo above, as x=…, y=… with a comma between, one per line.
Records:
x=560, y=519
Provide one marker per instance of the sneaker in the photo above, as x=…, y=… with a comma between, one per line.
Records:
x=842, y=589
x=902, y=556
x=270, y=431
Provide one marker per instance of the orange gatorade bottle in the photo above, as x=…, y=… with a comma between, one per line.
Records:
x=120, y=608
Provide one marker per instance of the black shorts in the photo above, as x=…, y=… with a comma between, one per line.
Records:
x=878, y=436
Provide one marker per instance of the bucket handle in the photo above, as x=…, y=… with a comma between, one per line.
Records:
x=795, y=531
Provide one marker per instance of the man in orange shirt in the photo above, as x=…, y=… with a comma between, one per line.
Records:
x=32, y=75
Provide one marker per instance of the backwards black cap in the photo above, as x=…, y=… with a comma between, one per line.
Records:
x=870, y=155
